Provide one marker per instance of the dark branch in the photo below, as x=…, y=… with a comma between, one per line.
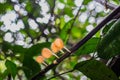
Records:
x=79, y=44
x=109, y=5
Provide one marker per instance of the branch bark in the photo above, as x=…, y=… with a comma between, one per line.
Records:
x=79, y=44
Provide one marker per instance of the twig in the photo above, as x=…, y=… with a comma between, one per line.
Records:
x=79, y=44
x=74, y=19
x=61, y=74
x=56, y=73
x=109, y=5
x=9, y=76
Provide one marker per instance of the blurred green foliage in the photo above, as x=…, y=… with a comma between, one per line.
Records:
x=28, y=26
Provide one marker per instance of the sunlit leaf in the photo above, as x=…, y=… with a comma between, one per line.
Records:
x=76, y=32
x=11, y=68
x=4, y=7
x=70, y=2
x=65, y=30
x=68, y=11
x=33, y=33
x=87, y=1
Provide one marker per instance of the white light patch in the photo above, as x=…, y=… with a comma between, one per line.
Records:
x=20, y=24
x=2, y=1
x=67, y=18
x=83, y=17
x=8, y=17
x=44, y=19
x=17, y=7
x=8, y=20
x=60, y=5
x=14, y=0
x=99, y=20
x=91, y=20
x=32, y=24
x=20, y=42
x=78, y=2
x=8, y=37
x=13, y=27
x=53, y=30
x=83, y=78
x=91, y=5
x=46, y=31
x=23, y=12
x=99, y=8
x=44, y=6
x=89, y=28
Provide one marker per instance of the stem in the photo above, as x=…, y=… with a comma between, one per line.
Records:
x=80, y=43
x=61, y=74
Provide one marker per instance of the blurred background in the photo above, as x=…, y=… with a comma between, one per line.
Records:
x=27, y=26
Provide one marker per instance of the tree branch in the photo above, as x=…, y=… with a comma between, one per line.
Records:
x=109, y=5
x=79, y=44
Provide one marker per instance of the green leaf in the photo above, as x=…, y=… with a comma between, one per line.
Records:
x=108, y=26
x=65, y=30
x=62, y=1
x=4, y=74
x=11, y=68
x=51, y=3
x=15, y=48
x=4, y=7
x=108, y=46
x=36, y=49
x=87, y=1
x=95, y=70
x=76, y=32
x=68, y=11
x=33, y=33
x=70, y=3
x=1, y=79
x=1, y=23
x=29, y=7
x=62, y=22
x=30, y=66
x=89, y=47
x=117, y=1
x=33, y=8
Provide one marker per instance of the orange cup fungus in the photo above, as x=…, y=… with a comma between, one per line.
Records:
x=46, y=53
x=54, y=48
x=58, y=45
x=40, y=59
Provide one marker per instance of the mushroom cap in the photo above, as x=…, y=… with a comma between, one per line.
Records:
x=40, y=59
x=54, y=48
x=59, y=43
x=46, y=53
